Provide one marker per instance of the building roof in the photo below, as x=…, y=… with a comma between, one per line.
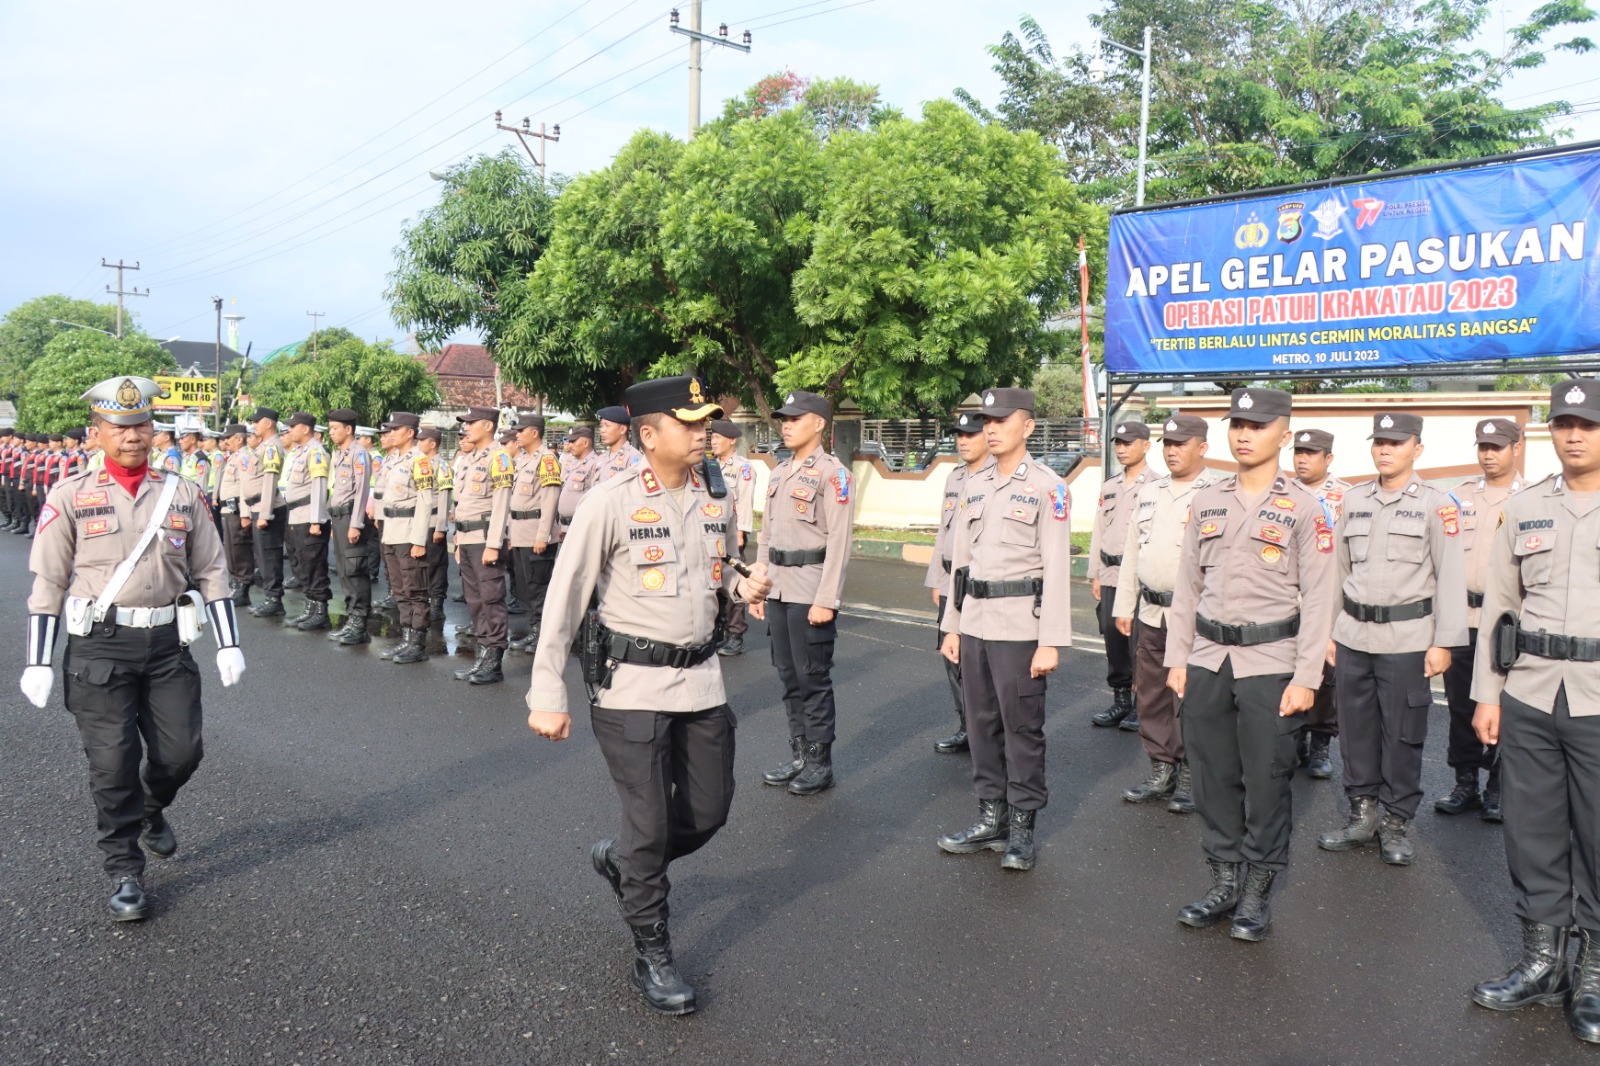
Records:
x=466, y=377
x=199, y=353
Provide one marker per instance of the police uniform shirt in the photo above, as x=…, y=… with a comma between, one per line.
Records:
x=269, y=471
x=740, y=477
x=1255, y=560
x=578, y=476
x=534, y=493
x=1110, y=530
x=408, y=491
x=1009, y=529
x=810, y=505
x=238, y=475
x=939, y=563
x=625, y=458
x=1542, y=565
x=306, y=485
x=1481, y=504
x=483, y=480
x=1398, y=547
x=656, y=566
x=1154, y=546
x=1332, y=493
x=444, y=487
x=197, y=468
x=352, y=483
x=89, y=524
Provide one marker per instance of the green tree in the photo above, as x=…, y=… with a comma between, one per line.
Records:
x=72, y=363
x=28, y=328
x=326, y=340
x=1058, y=390
x=371, y=379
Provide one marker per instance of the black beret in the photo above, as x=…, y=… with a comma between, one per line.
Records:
x=618, y=415
x=300, y=418
x=264, y=412
x=343, y=414
x=723, y=428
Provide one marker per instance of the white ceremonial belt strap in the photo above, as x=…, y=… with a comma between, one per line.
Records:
x=146, y=617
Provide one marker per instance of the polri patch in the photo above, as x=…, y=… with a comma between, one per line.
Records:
x=711, y=510
x=653, y=580
x=645, y=514
x=1532, y=544
x=1271, y=553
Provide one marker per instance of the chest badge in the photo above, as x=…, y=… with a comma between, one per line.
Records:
x=1532, y=544
x=712, y=510
x=645, y=514
x=1271, y=553
x=653, y=580
x=1207, y=528
x=654, y=554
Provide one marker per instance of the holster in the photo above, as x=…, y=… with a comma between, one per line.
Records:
x=80, y=616
x=959, y=587
x=191, y=617
x=591, y=654
x=1504, y=642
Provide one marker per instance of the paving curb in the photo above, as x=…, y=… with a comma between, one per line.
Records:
x=919, y=554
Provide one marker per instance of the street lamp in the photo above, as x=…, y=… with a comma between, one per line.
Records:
x=80, y=325
x=1097, y=71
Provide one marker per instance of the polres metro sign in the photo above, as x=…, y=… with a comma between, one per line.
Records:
x=186, y=392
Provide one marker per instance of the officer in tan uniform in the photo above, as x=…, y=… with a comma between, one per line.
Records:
x=740, y=478
x=116, y=551
x=579, y=474
x=484, y=473
x=1499, y=455
x=974, y=454
x=1313, y=459
x=269, y=512
x=534, y=540
x=1539, y=703
x=352, y=533
x=1405, y=606
x=1150, y=556
x=648, y=548
x=437, y=576
x=620, y=455
x=409, y=478
x=1131, y=442
x=305, y=490
x=238, y=541
x=805, y=543
x=1246, y=639
x=1008, y=614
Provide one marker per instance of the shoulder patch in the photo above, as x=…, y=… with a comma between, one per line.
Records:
x=317, y=463
x=549, y=470
x=1060, y=501
x=47, y=514
x=841, y=485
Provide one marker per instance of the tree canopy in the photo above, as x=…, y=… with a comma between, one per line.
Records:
x=27, y=329
x=371, y=379
x=72, y=363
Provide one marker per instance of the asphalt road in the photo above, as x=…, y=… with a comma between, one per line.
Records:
x=381, y=865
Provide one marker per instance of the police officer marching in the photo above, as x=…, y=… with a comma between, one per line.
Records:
x=974, y=454
x=1150, y=555
x=1247, y=637
x=1008, y=614
x=1313, y=459
x=647, y=546
x=1499, y=453
x=1538, y=692
x=352, y=532
x=805, y=544
x=484, y=474
x=1131, y=443
x=740, y=478
x=1404, y=607
x=116, y=551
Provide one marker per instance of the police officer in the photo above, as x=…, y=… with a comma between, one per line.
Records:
x=974, y=454
x=644, y=543
x=409, y=477
x=740, y=478
x=1159, y=516
x=1404, y=607
x=164, y=448
x=348, y=496
x=196, y=462
x=269, y=512
x=805, y=543
x=7, y=490
x=1539, y=704
x=1008, y=614
x=1313, y=460
x=484, y=473
x=534, y=540
x=429, y=440
x=238, y=541
x=131, y=683
x=305, y=490
x=620, y=454
x=1247, y=636
x=1131, y=442
x=579, y=474
x=1499, y=454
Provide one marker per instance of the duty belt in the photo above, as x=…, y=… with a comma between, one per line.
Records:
x=1150, y=595
x=253, y=499
x=946, y=564
x=525, y=515
x=1559, y=646
x=1107, y=559
x=640, y=651
x=1474, y=599
x=796, y=556
x=993, y=590
x=1398, y=612
x=344, y=510
x=1247, y=634
x=401, y=512
x=473, y=525
x=300, y=501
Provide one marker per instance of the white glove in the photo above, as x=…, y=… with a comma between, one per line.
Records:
x=230, y=664
x=37, y=681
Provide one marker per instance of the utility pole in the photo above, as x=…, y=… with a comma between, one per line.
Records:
x=315, y=316
x=119, y=266
x=216, y=405
x=696, y=38
x=525, y=132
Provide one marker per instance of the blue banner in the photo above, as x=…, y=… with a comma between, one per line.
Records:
x=1492, y=262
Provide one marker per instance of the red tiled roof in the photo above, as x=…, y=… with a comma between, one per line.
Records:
x=460, y=361
x=477, y=392
x=466, y=377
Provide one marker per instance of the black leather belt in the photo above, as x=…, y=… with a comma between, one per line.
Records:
x=639, y=651
x=1160, y=599
x=1246, y=634
x=230, y=508
x=473, y=525
x=796, y=557
x=1559, y=646
x=401, y=512
x=993, y=590
x=252, y=500
x=1107, y=559
x=1474, y=599
x=300, y=502
x=1397, y=612
x=522, y=516
x=344, y=510
x=564, y=520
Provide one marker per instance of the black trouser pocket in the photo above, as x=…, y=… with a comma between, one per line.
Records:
x=1030, y=692
x=92, y=671
x=1414, y=722
x=819, y=648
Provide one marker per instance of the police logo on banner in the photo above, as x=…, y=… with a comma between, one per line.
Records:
x=1290, y=226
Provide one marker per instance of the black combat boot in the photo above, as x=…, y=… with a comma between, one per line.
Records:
x=1319, y=766
x=956, y=742
x=1541, y=975
x=294, y=623
x=466, y=630
x=1159, y=785
x=1121, y=707
x=817, y=773
x=385, y=604
x=158, y=838
x=436, y=608
x=293, y=582
x=1464, y=797
x=1130, y=723
x=477, y=661
x=316, y=618
x=241, y=594
x=271, y=607
x=1019, y=842
x=731, y=647
x=1395, y=845
x=1182, y=801
x=395, y=649
x=655, y=975
x=514, y=605
x=1491, y=796
x=991, y=831
x=786, y=772
x=1252, y=918
x=1583, y=998
x=488, y=671
x=355, y=630
x=128, y=901
x=1219, y=901
x=1360, y=830
x=603, y=856
x=415, y=649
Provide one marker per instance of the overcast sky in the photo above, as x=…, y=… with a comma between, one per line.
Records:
x=270, y=153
